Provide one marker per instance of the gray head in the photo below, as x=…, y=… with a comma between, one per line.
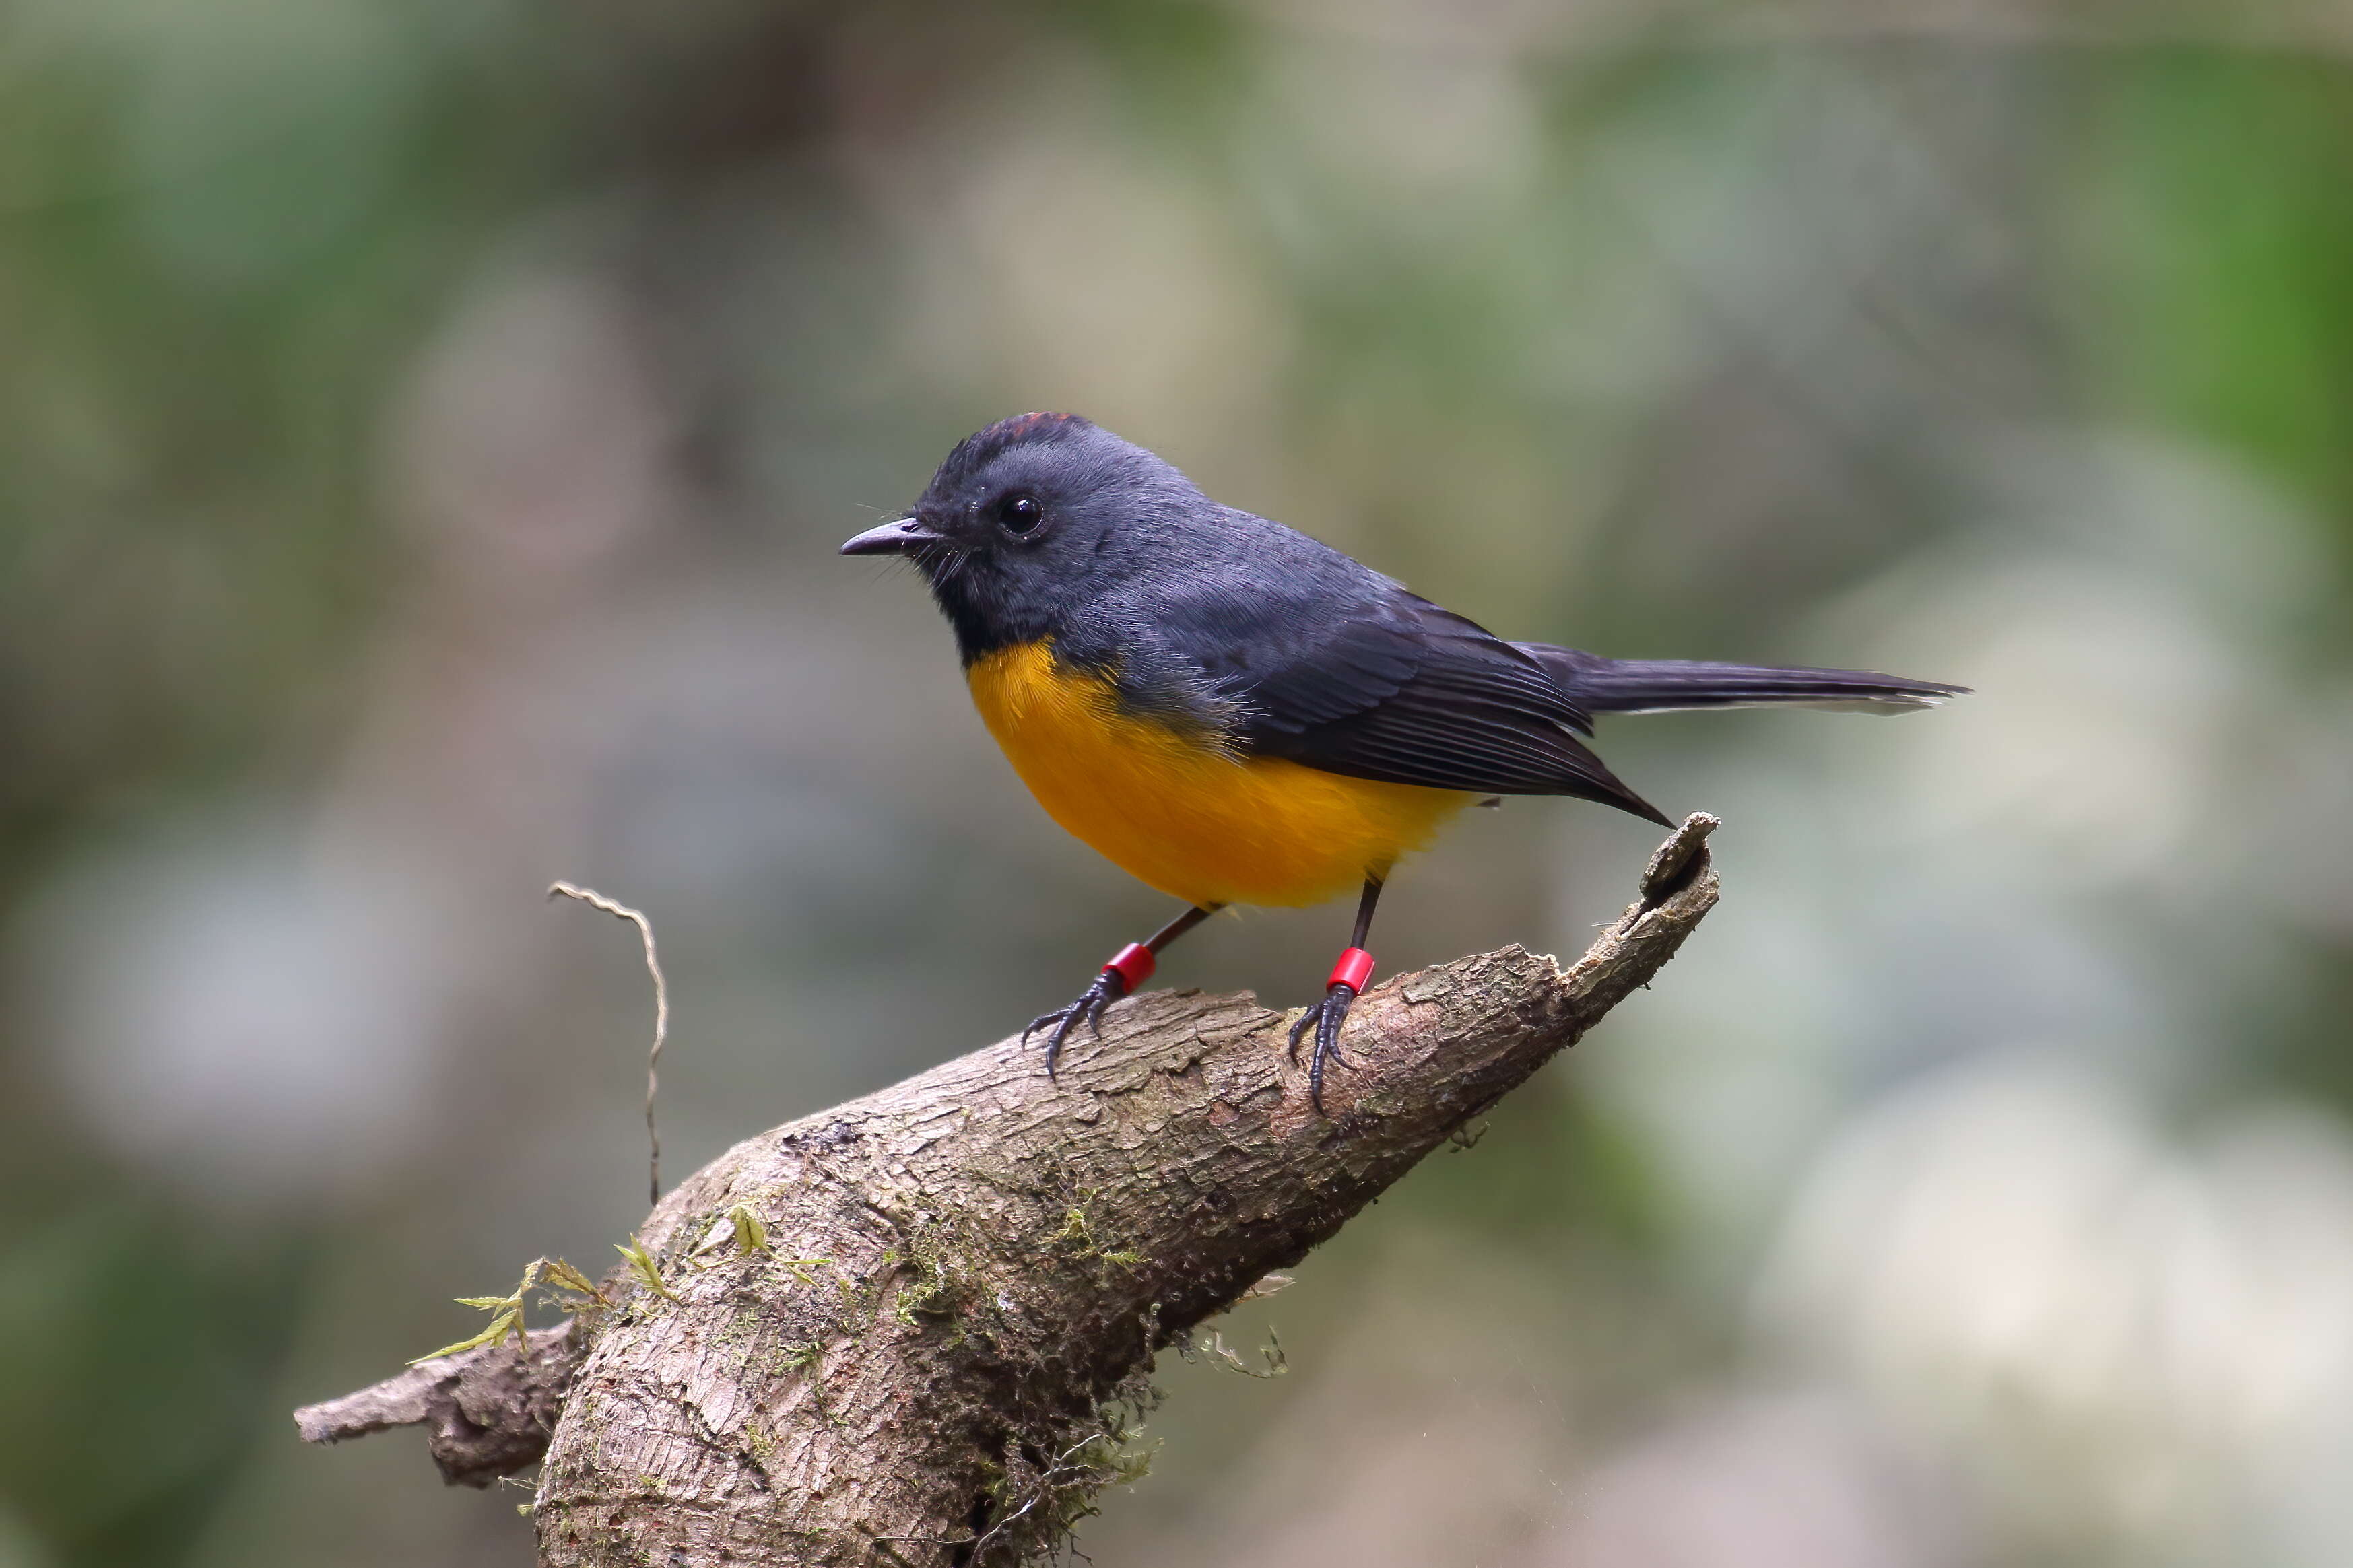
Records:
x=1033, y=515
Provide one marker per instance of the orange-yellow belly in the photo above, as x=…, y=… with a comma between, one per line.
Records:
x=1190, y=820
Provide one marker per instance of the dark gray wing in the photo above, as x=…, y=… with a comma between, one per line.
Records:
x=1398, y=689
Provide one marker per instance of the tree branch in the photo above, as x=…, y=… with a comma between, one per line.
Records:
x=936, y=1355
x=487, y=1413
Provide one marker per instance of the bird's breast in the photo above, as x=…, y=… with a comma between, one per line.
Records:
x=1182, y=812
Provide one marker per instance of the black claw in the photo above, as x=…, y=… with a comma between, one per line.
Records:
x=1325, y=1018
x=1306, y=1022
x=1107, y=989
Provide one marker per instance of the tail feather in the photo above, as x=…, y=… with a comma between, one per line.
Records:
x=1602, y=685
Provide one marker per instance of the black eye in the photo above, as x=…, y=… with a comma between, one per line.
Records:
x=1020, y=513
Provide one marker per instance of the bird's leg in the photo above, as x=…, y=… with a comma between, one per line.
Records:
x=1347, y=982
x=1129, y=967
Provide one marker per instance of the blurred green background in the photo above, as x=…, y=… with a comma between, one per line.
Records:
x=425, y=428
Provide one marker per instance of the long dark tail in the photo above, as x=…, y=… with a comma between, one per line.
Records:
x=1660, y=685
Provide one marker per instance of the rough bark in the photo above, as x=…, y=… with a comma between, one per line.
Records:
x=486, y=1414
x=934, y=1359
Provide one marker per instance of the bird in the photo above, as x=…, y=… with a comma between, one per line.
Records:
x=1236, y=713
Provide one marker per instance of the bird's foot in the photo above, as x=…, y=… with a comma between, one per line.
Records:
x=1108, y=987
x=1325, y=1018
x=1347, y=982
x=1129, y=967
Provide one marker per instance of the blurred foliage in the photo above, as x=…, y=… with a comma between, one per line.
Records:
x=137, y=1354
x=423, y=429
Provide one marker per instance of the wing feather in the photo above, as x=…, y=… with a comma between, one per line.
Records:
x=1410, y=693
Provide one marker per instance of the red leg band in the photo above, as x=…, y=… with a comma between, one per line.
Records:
x=1132, y=964
x=1355, y=967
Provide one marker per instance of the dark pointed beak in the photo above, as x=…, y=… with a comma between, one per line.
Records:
x=892, y=539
